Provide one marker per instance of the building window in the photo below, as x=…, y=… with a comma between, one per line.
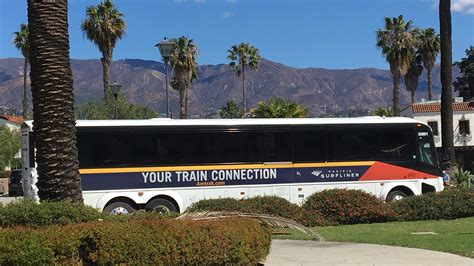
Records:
x=464, y=127
x=434, y=127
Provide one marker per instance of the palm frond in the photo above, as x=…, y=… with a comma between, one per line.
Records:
x=274, y=221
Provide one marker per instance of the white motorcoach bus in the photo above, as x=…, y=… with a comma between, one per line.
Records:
x=166, y=165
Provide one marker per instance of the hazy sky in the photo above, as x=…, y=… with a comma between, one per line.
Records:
x=299, y=33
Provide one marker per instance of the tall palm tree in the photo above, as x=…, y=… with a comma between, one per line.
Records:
x=428, y=47
x=53, y=101
x=104, y=26
x=243, y=56
x=446, y=82
x=412, y=76
x=22, y=43
x=183, y=62
x=397, y=41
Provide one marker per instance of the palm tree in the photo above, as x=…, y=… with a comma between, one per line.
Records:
x=242, y=56
x=397, y=41
x=382, y=111
x=279, y=108
x=21, y=43
x=412, y=76
x=448, y=156
x=53, y=101
x=428, y=47
x=183, y=62
x=104, y=25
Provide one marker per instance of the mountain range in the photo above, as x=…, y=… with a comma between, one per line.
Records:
x=321, y=90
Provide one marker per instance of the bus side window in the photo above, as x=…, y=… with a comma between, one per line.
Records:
x=426, y=155
x=309, y=145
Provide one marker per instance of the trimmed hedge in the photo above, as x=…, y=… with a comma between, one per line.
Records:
x=347, y=206
x=147, y=241
x=222, y=204
x=30, y=213
x=272, y=205
x=452, y=203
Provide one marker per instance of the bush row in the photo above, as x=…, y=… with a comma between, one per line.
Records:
x=343, y=206
x=452, y=203
x=30, y=213
x=144, y=241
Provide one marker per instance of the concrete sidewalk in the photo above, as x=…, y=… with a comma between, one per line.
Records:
x=298, y=252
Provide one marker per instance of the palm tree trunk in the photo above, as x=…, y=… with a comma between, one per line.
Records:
x=412, y=96
x=244, y=102
x=446, y=81
x=396, y=94
x=105, y=77
x=53, y=101
x=182, y=102
x=430, y=84
x=186, y=94
x=25, y=96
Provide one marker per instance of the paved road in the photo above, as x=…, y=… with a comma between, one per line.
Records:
x=296, y=252
x=6, y=200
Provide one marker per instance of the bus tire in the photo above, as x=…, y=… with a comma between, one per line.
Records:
x=162, y=206
x=396, y=195
x=118, y=208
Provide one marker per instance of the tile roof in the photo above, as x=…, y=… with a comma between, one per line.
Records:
x=436, y=107
x=12, y=119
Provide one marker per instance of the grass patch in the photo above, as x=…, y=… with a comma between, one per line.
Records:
x=453, y=236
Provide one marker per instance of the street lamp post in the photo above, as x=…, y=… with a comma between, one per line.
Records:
x=166, y=47
x=115, y=88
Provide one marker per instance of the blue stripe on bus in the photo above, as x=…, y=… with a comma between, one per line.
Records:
x=219, y=177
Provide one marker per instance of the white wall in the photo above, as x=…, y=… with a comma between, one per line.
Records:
x=459, y=140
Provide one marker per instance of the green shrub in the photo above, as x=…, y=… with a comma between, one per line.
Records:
x=222, y=204
x=451, y=203
x=347, y=206
x=313, y=218
x=272, y=205
x=462, y=178
x=148, y=241
x=30, y=213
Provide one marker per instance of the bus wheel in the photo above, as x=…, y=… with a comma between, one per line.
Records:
x=161, y=206
x=118, y=208
x=396, y=195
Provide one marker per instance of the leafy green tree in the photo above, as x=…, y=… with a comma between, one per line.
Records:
x=398, y=40
x=428, y=48
x=22, y=43
x=279, y=108
x=53, y=101
x=185, y=67
x=104, y=25
x=412, y=76
x=105, y=110
x=383, y=111
x=231, y=110
x=10, y=144
x=243, y=56
x=465, y=83
x=448, y=156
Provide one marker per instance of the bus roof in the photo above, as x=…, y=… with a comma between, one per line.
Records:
x=248, y=121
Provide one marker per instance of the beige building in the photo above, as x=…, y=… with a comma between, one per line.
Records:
x=463, y=118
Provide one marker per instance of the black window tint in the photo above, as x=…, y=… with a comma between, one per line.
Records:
x=434, y=127
x=116, y=150
x=277, y=146
x=309, y=146
x=373, y=144
x=464, y=127
x=223, y=147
